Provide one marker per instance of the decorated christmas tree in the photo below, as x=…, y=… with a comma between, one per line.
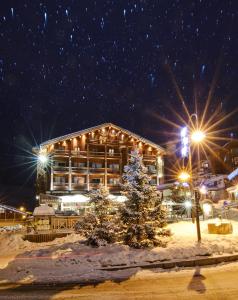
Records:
x=143, y=216
x=99, y=226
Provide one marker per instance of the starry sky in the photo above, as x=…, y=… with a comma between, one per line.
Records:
x=69, y=65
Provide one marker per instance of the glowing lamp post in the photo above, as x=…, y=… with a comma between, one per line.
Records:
x=184, y=176
x=197, y=136
x=187, y=138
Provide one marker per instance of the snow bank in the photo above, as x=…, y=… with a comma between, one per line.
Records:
x=13, y=228
x=68, y=259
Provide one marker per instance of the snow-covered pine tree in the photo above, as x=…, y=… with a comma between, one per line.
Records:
x=99, y=227
x=142, y=215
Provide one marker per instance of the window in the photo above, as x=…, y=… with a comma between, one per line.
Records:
x=78, y=180
x=151, y=168
x=59, y=163
x=96, y=180
x=59, y=180
x=110, y=151
x=113, y=181
x=79, y=164
x=96, y=165
x=153, y=181
x=114, y=166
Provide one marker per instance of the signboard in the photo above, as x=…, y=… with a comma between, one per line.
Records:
x=184, y=142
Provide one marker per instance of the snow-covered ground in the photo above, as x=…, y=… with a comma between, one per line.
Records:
x=68, y=259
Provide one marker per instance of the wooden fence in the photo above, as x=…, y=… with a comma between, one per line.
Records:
x=44, y=237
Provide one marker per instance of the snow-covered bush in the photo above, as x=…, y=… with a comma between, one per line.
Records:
x=143, y=216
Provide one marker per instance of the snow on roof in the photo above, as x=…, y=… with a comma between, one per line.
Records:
x=84, y=131
x=43, y=210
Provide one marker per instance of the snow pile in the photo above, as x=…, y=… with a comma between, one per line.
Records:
x=13, y=228
x=69, y=259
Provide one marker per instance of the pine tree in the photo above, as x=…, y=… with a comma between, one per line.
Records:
x=99, y=227
x=143, y=216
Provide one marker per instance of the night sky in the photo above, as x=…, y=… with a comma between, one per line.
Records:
x=69, y=65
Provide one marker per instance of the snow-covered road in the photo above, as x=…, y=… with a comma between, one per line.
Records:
x=216, y=282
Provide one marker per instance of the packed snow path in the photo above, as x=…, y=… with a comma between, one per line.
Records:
x=213, y=283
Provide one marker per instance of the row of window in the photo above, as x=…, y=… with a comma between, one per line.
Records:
x=82, y=180
x=113, y=166
x=111, y=151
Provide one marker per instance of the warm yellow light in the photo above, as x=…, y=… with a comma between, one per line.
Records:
x=203, y=190
x=207, y=209
x=197, y=136
x=184, y=176
x=22, y=208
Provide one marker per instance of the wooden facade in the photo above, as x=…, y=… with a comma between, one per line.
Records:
x=83, y=160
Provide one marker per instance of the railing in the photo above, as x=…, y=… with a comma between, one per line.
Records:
x=60, y=168
x=60, y=152
x=95, y=185
x=80, y=169
x=113, y=186
x=111, y=155
x=96, y=153
x=114, y=171
x=79, y=153
x=78, y=186
x=152, y=171
x=97, y=170
x=149, y=157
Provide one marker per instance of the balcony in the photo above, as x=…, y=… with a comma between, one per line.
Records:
x=61, y=168
x=60, y=186
x=96, y=153
x=112, y=155
x=113, y=171
x=78, y=153
x=149, y=157
x=94, y=185
x=78, y=186
x=82, y=170
x=60, y=152
x=113, y=187
x=96, y=170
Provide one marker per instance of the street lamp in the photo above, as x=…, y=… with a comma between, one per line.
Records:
x=184, y=176
x=188, y=137
x=22, y=208
x=43, y=158
x=197, y=136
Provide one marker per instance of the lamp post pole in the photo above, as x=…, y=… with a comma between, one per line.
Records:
x=195, y=190
x=197, y=196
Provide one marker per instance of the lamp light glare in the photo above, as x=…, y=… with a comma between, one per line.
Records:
x=203, y=190
x=184, y=176
x=188, y=204
x=43, y=158
x=198, y=136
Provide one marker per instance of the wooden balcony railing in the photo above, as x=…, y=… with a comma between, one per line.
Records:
x=61, y=168
x=60, y=183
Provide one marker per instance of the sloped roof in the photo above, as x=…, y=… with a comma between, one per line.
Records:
x=85, y=131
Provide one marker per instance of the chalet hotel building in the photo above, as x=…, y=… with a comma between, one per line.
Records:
x=71, y=165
